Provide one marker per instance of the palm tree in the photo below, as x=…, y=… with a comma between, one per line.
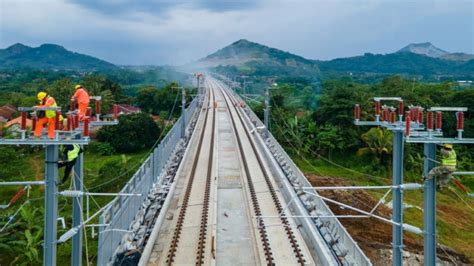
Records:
x=379, y=144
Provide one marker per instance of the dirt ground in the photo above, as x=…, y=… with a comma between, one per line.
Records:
x=371, y=234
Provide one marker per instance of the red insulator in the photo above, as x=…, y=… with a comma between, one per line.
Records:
x=23, y=120
x=86, y=127
x=56, y=120
x=69, y=123
x=412, y=113
x=17, y=196
x=115, y=111
x=76, y=121
x=429, y=121
x=392, y=117
x=97, y=107
x=73, y=105
x=377, y=107
x=439, y=120
x=34, y=118
x=357, y=112
x=460, y=117
x=407, y=125
x=420, y=116
x=385, y=114
x=400, y=108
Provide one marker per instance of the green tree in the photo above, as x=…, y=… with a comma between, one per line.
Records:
x=96, y=84
x=134, y=132
x=61, y=90
x=379, y=144
x=146, y=99
x=165, y=99
x=328, y=138
x=22, y=241
x=337, y=104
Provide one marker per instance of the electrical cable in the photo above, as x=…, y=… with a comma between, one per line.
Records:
x=147, y=154
x=322, y=157
x=151, y=150
x=316, y=170
x=445, y=252
x=12, y=217
x=82, y=215
x=308, y=162
x=464, y=201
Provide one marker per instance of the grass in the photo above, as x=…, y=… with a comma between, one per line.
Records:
x=454, y=216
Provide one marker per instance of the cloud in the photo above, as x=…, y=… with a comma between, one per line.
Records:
x=169, y=32
x=162, y=6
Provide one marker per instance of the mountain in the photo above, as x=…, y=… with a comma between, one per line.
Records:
x=430, y=50
x=458, y=56
x=244, y=51
x=423, y=60
x=425, y=48
x=398, y=63
x=49, y=56
x=13, y=50
x=255, y=59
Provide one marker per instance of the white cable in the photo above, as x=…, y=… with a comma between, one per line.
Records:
x=12, y=217
x=320, y=156
x=459, y=196
x=147, y=154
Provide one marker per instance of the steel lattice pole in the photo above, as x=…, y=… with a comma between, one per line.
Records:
x=183, y=113
x=51, y=206
x=78, y=179
x=397, y=230
x=429, y=212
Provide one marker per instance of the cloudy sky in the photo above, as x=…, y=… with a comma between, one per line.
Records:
x=175, y=31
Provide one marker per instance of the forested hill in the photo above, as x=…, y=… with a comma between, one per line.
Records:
x=49, y=56
x=243, y=51
x=399, y=63
x=252, y=58
x=249, y=58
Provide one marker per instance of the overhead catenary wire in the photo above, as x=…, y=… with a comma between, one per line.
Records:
x=146, y=155
x=319, y=155
x=304, y=159
x=315, y=169
x=171, y=113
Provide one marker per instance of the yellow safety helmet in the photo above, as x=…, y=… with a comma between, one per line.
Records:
x=78, y=86
x=448, y=146
x=41, y=95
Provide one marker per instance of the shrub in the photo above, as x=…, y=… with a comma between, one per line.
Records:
x=134, y=132
x=101, y=148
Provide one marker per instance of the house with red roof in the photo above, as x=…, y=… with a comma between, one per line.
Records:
x=7, y=111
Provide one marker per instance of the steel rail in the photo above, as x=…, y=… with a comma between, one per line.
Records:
x=207, y=192
x=182, y=214
x=289, y=232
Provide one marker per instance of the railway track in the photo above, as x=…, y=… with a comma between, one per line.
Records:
x=202, y=238
x=285, y=224
x=201, y=223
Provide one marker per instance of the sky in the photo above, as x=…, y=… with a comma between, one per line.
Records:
x=158, y=32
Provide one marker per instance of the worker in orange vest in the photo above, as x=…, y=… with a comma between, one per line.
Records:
x=45, y=117
x=83, y=100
